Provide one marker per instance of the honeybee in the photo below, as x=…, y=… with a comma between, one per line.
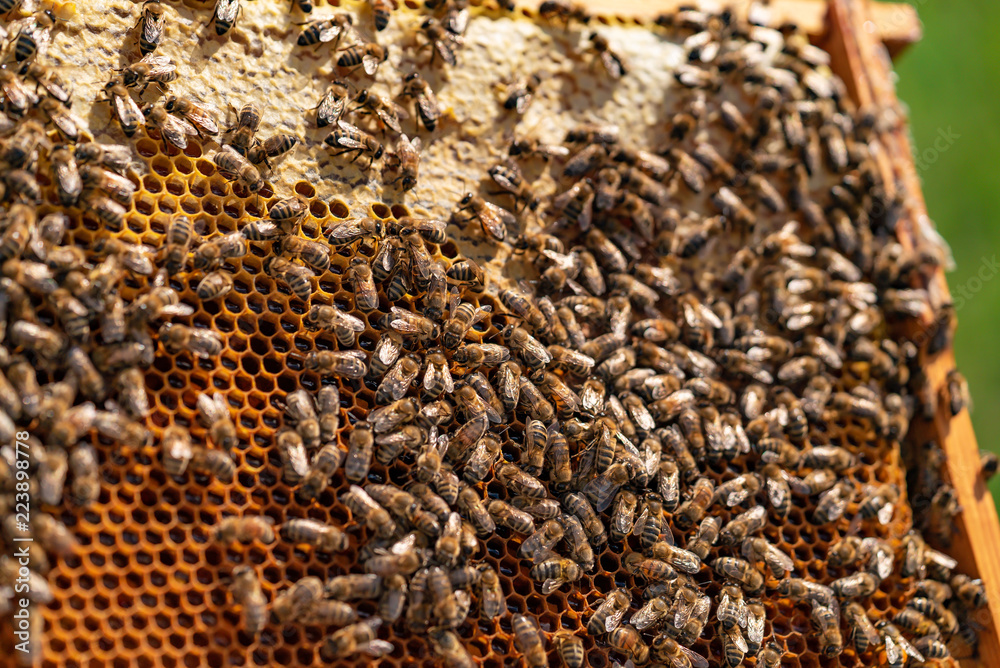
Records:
x=127, y=111
x=272, y=147
x=86, y=484
x=214, y=285
x=863, y=632
x=325, y=537
x=668, y=650
x=213, y=462
x=441, y=41
x=833, y=502
x=33, y=36
x=570, y=648
x=333, y=103
x=880, y=504
x=613, y=63
x=151, y=69
x=388, y=112
x=470, y=503
x=350, y=230
x=180, y=234
x=345, y=364
x=405, y=161
x=529, y=641
x=214, y=414
x=427, y=107
x=131, y=392
x=368, y=56
x=313, y=253
x=409, y=323
x=354, y=140
x=324, y=465
x=398, y=380
x=249, y=594
x=354, y=586
x=332, y=319
x=508, y=176
x=173, y=130
x=199, y=342
x=552, y=10
x=238, y=168
x=98, y=178
x=627, y=640
x=743, y=524
x=968, y=591
x=494, y=220
x=296, y=277
x=368, y=510
x=520, y=93
x=741, y=572
x=759, y=549
x=295, y=463
x=531, y=146
x=359, y=637
x=113, y=156
x=449, y=647
x=360, y=452
x=245, y=530
x=577, y=204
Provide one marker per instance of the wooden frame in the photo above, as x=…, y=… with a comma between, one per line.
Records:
x=862, y=36
x=866, y=68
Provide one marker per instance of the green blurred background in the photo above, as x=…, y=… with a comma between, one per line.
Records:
x=950, y=81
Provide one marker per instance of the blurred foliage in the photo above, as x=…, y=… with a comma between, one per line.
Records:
x=950, y=81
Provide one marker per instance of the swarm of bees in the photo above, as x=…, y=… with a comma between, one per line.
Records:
x=642, y=431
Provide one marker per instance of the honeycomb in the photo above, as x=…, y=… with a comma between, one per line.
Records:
x=147, y=584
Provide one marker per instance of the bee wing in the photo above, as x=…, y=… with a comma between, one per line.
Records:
x=178, y=310
x=152, y=28
x=612, y=64
x=209, y=409
x=885, y=513
x=645, y=616
x=127, y=109
x=503, y=181
x=204, y=117
x=349, y=321
x=736, y=637
x=427, y=107
x=225, y=10
x=697, y=660
x=614, y=619
x=405, y=545
x=563, y=199
x=370, y=64
x=390, y=351
x=377, y=648
x=330, y=33
x=330, y=109
x=782, y=560
x=69, y=178
x=390, y=119
x=755, y=628
x=495, y=220
x=893, y=652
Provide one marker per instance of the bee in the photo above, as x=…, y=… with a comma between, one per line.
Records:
x=552, y=10
x=449, y=647
x=34, y=35
x=324, y=537
x=507, y=515
x=666, y=649
x=24, y=184
x=532, y=352
x=759, y=549
x=957, y=391
x=333, y=103
x=368, y=510
x=245, y=530
x=427, y=107
x=691, y=511
x=354, y=140
x=368, y=56
x=112, y=156
x=214, y=251
x=344, y=364
x=470, y=503
x=743, y=524
x=530, y=641
x=353, y=587
x=324, y=31
x=388, y=112
x=115, y=185
x=225, y=15
x=213, y=462
x=86, y=485
x=613, y=63
x=238, y=168
x=249, y=594
x=291, y=604
x=863, y=632
x=48, y=79
x=521, y=93
x=405, y=161
x=214, y=414
x=313, y=253
x=359, y=637
x=409, y=323
x=508, y=176
x=493, y=219
x=602, y=489
x=397, y=381
x=200, y=342
x=272, y=147
x=463, y=318
x=296, y=277
x=326, y=611
x=441, y=41
x=328, y=408
x=359, y=454
x=880, y=504
x=627, y=640
x=482, y=459
x=741, y=572
x=533, y=147
x=577, y=204
x=151, y=69
x=833, y=502
x=968, y=591
x=151, y=26
x=295, y=463
x=350, y=230
x=324, y=465
x=68, y=124
x=131, y=392
x=332, y=319
x=242, y=135
x=127, y=111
